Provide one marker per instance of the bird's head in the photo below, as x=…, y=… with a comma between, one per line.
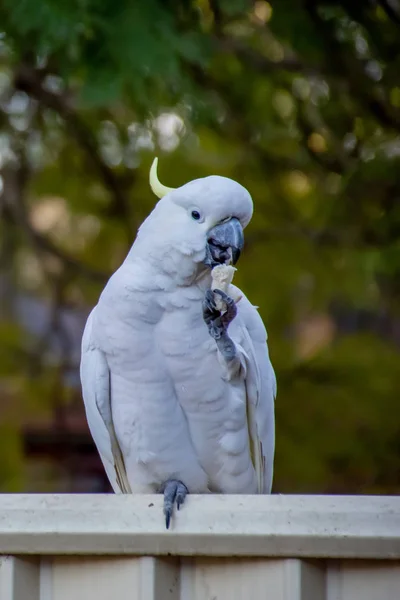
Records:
x=202, y=220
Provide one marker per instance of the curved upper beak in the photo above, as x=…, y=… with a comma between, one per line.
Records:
x=224, y=243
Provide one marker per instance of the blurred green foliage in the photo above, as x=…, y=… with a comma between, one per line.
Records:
x=298, y=100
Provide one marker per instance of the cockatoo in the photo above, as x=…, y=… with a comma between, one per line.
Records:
x=177, y=382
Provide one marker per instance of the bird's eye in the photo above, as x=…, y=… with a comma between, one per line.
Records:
x=196, y=215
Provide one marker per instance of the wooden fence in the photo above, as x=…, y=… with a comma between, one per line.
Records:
x=106, y=547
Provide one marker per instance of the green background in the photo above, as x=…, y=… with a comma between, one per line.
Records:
x=299, y=101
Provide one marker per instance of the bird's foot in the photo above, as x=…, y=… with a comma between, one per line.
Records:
x=174, y=491
x=218, y=322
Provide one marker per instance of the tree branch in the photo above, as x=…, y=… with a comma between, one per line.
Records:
x=358, y=84
x=258, y=62
x=14, y=179
x=30, y=81
x=390, y=11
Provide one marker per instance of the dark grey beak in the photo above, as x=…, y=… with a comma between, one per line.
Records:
x=223, y=242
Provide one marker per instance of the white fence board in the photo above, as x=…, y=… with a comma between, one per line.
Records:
x=290, y=526
x=219, y=548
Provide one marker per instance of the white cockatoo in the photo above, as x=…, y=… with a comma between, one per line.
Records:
x=179, y=391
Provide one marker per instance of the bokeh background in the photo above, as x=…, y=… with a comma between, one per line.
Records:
x=298, y=100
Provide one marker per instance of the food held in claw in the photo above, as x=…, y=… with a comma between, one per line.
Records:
x=221, y=279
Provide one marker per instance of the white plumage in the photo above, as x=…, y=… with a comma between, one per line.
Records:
x=161, y=400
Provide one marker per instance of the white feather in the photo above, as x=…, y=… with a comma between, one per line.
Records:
x=95, y=378
x=260, y=392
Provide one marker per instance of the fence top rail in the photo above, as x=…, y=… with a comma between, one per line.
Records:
x=210, y=525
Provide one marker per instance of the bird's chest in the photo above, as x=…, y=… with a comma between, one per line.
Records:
x=198, y=375
x=214, y=408
x=184, y=341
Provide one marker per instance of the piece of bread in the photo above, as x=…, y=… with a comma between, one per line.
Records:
x=221, y=279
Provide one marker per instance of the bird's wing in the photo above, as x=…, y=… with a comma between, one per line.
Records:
x=260, y=390
x=95, y=379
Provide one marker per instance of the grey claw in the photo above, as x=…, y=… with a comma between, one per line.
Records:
x=168, y=514
x=174, y=491
x=215, y=331
x=209, y=302
x=180, y=496
x=227, y=299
